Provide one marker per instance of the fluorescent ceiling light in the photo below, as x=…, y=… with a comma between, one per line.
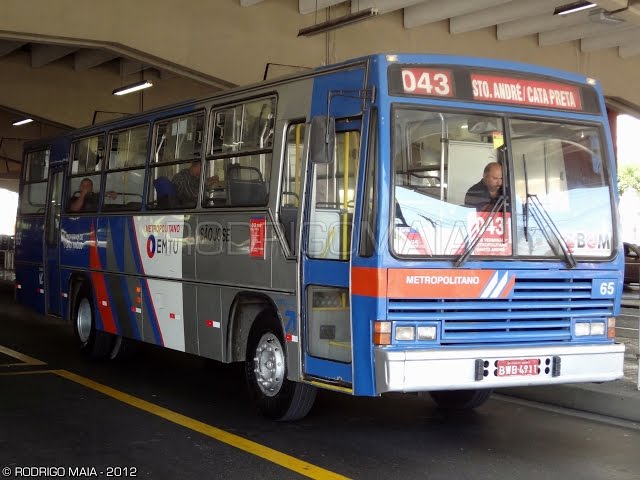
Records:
x=22, y=122
x=338, y=22
x=573, y=8
x=134, y=87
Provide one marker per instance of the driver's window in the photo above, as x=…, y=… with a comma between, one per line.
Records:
x=332, y=197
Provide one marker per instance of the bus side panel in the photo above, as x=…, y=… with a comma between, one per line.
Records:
x=29, y=263
x=210, y=322
x=223, y=250
x=77, y=236
x=29, y=241
x=30, y=286
x=364, y=311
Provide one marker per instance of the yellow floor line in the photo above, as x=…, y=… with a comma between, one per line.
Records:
x=27, y=360
x=25, y=372
x=274, y=456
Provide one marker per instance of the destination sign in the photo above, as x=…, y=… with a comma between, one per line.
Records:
x=502, y=89
x=491, y=86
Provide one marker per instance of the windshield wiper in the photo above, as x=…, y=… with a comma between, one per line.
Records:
x=475, y=240
x=548, y=227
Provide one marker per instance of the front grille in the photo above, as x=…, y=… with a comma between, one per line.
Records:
x=538, y=311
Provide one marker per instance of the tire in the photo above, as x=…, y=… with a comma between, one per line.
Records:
x=266, y=373
x=123, y=349
x=94, y=344
x=460, y=399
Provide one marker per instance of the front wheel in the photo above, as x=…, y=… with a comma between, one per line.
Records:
x=266, y=372
x=460, y=399
x=94, y=344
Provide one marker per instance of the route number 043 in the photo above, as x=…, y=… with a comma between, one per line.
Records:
x=423, y=81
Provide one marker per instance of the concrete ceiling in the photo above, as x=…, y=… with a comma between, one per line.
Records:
x=611, y=24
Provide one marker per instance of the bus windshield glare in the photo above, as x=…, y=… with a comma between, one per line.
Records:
x=451, y=169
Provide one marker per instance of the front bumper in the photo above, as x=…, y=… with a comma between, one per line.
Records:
x=456, y=369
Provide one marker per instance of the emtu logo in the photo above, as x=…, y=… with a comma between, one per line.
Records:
x=151, y=246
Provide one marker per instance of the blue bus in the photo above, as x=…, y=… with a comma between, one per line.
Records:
x=393, y=223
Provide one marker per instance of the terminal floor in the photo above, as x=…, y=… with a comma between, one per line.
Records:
x=171, y=415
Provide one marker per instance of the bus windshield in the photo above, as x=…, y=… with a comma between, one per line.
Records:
x=451, y=169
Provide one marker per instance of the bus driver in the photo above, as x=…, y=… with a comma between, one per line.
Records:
x=484, y=194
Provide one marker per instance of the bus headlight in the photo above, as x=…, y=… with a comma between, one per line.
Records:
x=584, y=329
x=581, y=329
x=598, y=328
x=427, y=333
x=405, y=333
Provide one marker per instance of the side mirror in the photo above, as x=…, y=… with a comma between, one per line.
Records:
x=322, y=140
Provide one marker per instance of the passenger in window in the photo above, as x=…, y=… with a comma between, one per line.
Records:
x=187, y=183
x=86, y=199
x=483, y=195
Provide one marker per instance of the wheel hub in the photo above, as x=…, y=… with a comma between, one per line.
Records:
x=83, y=320
x=269, y=364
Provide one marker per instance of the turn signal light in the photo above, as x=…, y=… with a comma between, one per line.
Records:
x=381, y=333
x=611, y=327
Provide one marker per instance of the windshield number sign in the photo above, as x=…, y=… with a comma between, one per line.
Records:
x=427, y=81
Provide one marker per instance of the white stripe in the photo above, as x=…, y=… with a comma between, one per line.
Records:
x=489, y=288
x=500, y=287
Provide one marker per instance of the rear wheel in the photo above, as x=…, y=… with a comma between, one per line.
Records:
x=266, y=372
x=94, y=344
x=460, y=399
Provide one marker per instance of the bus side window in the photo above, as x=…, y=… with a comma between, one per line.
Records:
x=291, y=187
x=238, y=165
x=125, y=169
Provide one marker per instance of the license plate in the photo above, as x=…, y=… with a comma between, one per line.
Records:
x=517, y=367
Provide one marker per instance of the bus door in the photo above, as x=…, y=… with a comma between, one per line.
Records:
x=326, y=259
x=52, y=241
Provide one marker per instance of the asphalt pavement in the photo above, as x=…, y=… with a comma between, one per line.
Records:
x=618, y=399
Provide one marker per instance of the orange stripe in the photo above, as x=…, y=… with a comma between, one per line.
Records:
x=509, y=287
x=369, y=282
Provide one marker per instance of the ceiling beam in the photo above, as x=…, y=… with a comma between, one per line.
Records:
x=629, y=50
x=503, y=13
x=576, y=32
x=437, y=10
x=609, y=40
x=43, y=54
x=383, y=6
x=129, y=67
x=89, y=58
x=309, y=6
x=540, y=23
x=611, y=5
x=631, y=14
x=8, y=46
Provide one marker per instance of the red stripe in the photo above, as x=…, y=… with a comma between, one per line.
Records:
x=100, y=286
